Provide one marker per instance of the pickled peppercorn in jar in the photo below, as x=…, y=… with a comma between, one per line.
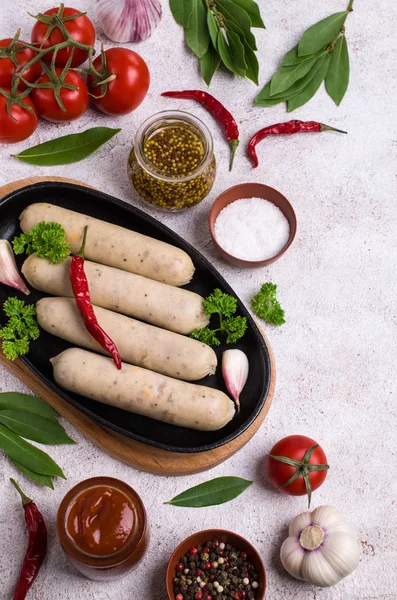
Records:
x=172, y=163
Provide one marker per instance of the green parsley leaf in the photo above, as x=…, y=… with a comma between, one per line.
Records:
x=232, y=327
x=48, y=240
x=20, y=329
x=266, y=306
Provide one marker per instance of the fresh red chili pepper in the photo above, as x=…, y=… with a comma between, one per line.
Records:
x=37, y=548
x=81, y=293
x=288, y=128
x=218, y=111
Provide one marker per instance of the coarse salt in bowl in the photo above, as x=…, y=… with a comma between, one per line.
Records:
x=252, y=224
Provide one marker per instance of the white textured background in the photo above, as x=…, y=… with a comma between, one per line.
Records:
x=336, y=355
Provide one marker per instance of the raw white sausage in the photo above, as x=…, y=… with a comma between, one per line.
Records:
x=115, y=246
x=141, y=391
x=138, y=343
x=133, y=295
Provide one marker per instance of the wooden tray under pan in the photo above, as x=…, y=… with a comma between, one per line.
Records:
x=140, y=456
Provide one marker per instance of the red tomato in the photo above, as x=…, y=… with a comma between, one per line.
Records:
x=125, y=93
x=75, y=101
x=21, y=126
x=295, y=447
x=80, y=29
x=7, y=67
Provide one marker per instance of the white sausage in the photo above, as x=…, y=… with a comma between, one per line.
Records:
x=141, y=391
x=115, y=246
x=138, y=343
x=157, y=303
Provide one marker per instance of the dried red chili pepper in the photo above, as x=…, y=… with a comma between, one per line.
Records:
x=37, y=548
x=81, y=293
x=288, y=128
x=218, y=111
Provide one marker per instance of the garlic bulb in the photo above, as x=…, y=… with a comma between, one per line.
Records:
x=128, y=20
x=235, y=368
x=321, y=548
x=9, y=274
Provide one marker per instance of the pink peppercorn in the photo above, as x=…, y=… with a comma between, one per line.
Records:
x=193, y=550
x=179, y=597
x=180, y=567
x=198, y=596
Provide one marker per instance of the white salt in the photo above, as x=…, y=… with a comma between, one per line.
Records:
x=252, y=229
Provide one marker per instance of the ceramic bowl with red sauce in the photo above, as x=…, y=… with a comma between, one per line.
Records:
x=103, y=528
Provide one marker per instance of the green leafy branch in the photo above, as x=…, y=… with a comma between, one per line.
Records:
x=230, y=326
x=21, y=328
x=321, y=55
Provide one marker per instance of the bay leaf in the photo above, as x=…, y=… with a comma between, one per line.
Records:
x=252, y=72
x=292, y=58
x=229, y=51
x=311, y=88
x=265, y=99
x=209, y=64
x=67, y=149
x=28, y=455
x=213, y=492
x=196, y=34
x=322, y=33
x=285, y=77
x=253, y=11
x=237, y=17
x=25, y=402
x=337, y=79
x=36, y=477
x=181, y=11
x=212, y=27
x=35, y=428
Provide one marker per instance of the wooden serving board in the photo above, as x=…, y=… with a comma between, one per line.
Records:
x=140, y=456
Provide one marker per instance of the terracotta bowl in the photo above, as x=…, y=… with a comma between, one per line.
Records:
x=227, y=537
x=252, y=190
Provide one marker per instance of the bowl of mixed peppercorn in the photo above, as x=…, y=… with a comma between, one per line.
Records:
x=215, y=565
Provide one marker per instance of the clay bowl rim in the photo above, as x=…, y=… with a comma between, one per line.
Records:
x=241, y=261
x=224, y=535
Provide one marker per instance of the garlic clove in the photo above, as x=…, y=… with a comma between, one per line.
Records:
x=128, y=20
x=235, y=369
x=298, y=524
x=292, y=555
x=327, y=515
x=9, y=274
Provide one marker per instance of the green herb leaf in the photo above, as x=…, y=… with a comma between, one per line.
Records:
x=181, y=11
x=287, y=76
x=20, y=329
x=237, y=20
x=31, y=404
x=231, y=50
x=252, y=65
x=311, y=88
x=27, y=455
x=212, y=28
x=68, y=148
x=213, y=492
x=36, y=477
x=266, y=306
x=206, y=336
x=197, y=35
x=265, y=99
x=253, y=11
x=48, y=240
x=292, y=58
x=209, y=64
x=337, y=79
x=35, y=428
x=220, y=303
x=235, y=328
x=322, y=33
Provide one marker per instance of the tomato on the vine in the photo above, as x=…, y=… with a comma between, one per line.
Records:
x=75, y=102
x=8, y=68
x=129, y=81
x=80, y=29
x=23, y=122
x=296, y=465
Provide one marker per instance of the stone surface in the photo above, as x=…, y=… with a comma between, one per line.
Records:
x=336, y=353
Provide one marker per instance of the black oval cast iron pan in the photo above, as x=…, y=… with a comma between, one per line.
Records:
x=206, y=278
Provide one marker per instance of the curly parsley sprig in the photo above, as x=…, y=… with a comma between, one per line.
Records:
x=232, y=327
x=47, y=240
x=21, y=328
x=266, y=306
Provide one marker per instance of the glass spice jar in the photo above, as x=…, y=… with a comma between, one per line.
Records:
x=103, y=529
x=172, y=163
